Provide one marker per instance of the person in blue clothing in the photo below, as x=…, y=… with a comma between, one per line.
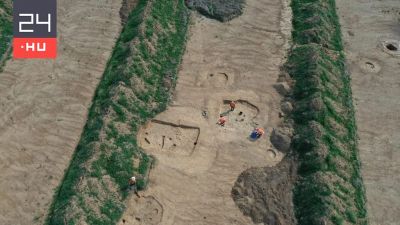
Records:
x=257, y=133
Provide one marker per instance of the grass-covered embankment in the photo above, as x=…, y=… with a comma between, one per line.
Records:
x=136, y=85
x=5, y=29
x=329, y=188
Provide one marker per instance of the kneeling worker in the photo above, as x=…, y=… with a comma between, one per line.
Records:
x=260, y=132
x=257, y=133
x=221, y=120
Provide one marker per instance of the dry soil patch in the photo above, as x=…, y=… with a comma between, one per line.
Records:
x=371, y=34
x=43, y=107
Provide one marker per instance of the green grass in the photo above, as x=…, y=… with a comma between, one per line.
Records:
x=130, y=93
x=5, y=29
x=330, y=186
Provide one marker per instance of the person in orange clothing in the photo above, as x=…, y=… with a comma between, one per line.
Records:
x=221, y=120
x=232, y=104
x=260, y=132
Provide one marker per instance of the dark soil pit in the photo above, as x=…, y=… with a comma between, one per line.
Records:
x=391, y=47
x=370, y=65
x=244, y=114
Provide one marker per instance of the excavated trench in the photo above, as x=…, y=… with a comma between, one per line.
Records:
x=247, y=185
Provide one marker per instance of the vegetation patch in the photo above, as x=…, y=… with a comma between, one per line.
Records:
x=5, y=30
x=136, y=85
x=329, y=189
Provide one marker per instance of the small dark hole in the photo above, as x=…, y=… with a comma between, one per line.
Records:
x=371, y=65
x=123, y=221
x=174, y=145
x=240, y=113
x=211, y=75
x=195, y=143
x=391, y=47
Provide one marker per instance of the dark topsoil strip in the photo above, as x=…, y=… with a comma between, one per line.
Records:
x=222, y=10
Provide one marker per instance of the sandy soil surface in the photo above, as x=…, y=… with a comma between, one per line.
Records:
x=367, y=27
x=43, y=107
x=197, y=161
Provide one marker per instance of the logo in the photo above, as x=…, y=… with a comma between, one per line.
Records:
x=35, y=29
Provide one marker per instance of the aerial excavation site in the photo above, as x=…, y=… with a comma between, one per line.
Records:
x=199, y=112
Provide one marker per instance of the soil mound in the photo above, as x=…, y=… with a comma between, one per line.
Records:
x=222, y=10
x=265, y=194
x=329, y=188
x=280, y=140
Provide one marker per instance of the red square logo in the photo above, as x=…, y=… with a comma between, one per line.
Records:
x=35, y=48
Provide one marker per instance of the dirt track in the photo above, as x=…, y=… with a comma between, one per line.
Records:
x=198, y=161
x=367, y=26
x=43, y=107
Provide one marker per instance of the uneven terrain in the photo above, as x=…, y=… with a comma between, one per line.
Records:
x=136, y=85
x=371, y=31
x=43, y=108
x=197, y=161
x=329, y=188
x=156, y=100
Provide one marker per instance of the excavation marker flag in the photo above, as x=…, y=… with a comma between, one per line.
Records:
x=35, y=29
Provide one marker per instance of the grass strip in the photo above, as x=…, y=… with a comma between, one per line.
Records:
x=136, y=86
x=5, y=30
x=329, y=189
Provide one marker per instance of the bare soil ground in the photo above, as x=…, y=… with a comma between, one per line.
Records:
x=197, y=161
x=371, y=33
x=43, y=107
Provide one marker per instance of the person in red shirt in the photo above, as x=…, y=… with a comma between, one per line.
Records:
x=221, y=120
